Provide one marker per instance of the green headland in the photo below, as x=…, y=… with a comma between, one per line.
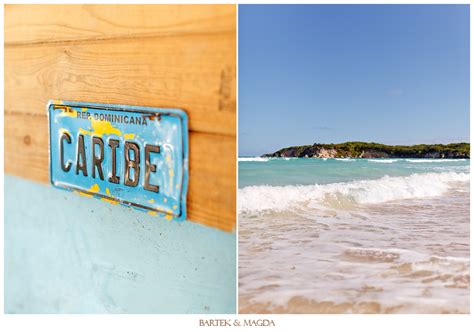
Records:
x=375, y=150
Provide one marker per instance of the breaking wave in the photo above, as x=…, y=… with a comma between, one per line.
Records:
x=345, y=159
x=253, y=159
x=384, y=161
x=433, y=160
x=256, y=199
x=264, y=159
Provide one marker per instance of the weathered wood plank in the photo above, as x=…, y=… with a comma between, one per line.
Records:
x=195, y=73
x=162, y=56
x=212, y=169
x=53, y=23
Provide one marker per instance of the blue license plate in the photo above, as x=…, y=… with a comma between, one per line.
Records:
x=130, y=155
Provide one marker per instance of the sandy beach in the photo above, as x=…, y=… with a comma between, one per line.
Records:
x=401, y=251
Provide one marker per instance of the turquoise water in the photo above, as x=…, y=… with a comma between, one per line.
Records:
x=307, y=171
x=354, y=235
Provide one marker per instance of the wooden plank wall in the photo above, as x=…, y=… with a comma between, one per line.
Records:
x=180, y=56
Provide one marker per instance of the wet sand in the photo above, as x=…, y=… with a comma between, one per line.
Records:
x=405, y=256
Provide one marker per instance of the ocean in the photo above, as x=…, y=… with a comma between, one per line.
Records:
x=353, y=235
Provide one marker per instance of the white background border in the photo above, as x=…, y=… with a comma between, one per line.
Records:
x=135, y=323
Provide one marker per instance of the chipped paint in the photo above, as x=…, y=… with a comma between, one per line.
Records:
x=168, y=132
x=100, y=128
x=170, y=164
x=109, y=200
x=94, y=188
x=67, y=111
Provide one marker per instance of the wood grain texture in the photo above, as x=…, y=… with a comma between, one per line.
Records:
x=53, y=23
x=195, y=73
x=181, y=59
x=212, y=167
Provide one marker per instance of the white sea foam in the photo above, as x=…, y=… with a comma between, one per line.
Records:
x=433, y=160
x=253, y=159
x=255, y=199
x=329, y=245
x=264, y=159
x=344, y=159
x=384, y=161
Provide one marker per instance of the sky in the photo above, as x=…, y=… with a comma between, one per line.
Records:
x=392, y=74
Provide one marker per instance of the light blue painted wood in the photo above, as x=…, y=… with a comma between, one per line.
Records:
x=65, y=253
